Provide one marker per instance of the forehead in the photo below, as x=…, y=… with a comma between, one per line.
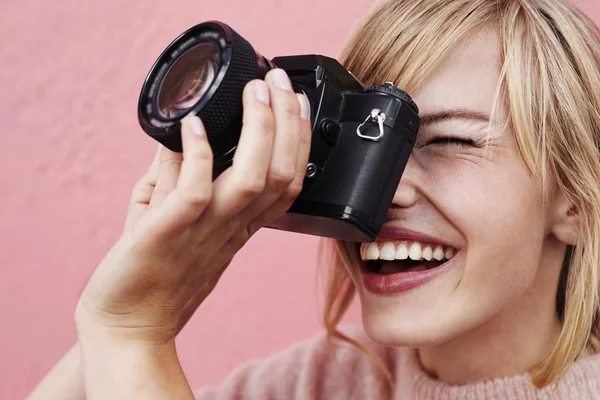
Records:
x=468, y=79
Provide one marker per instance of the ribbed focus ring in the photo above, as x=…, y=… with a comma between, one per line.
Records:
x=222, y=115
x=393, y=90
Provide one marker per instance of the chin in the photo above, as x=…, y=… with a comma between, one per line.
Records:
x=419, y=321
x=396, y=333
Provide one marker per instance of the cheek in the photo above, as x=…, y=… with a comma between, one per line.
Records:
x=500, y=215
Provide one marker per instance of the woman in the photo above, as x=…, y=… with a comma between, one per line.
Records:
x=484, y=281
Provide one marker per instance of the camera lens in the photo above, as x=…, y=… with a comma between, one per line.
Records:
x=188, y=80
x=202, y=72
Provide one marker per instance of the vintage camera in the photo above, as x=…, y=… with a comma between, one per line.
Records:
x=361, y=137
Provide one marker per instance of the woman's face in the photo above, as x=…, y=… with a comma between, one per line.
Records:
x=466, y=190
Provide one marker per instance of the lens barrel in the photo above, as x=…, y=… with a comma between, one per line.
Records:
x=203, y=72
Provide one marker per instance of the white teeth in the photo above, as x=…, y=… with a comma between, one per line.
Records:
x=427, y=253
x=402, y=251
x=393, y=250
x=438, y=253
x=372, y=252
x=414, y=251
x=388, y=252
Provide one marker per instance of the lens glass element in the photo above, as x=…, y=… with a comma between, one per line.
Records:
x=188, y=80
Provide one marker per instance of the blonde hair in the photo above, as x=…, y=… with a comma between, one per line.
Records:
x=550, y=83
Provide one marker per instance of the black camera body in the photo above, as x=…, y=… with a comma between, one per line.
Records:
x=362, y=138
x=352, y=175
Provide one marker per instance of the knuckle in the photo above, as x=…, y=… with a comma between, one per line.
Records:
x=266, y=121
x=144, y=183
x=160, y=192
x=289, y=106
x=294, y=190
x=253, y=227
x=239, y=239
x=203, y=155
x=250, y=188
x=263, y=119
x=169, y=164
x=282, y=177
x=196, y=199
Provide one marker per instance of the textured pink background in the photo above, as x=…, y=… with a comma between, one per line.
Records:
x=71, y=149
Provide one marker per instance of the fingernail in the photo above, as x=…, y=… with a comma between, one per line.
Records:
x=261, y=91
x=281, y=80
x=304, y=113
x=195, y=125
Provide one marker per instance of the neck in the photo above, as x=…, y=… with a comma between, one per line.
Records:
x=513, y=342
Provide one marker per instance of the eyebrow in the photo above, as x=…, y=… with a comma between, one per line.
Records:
x=445, y=115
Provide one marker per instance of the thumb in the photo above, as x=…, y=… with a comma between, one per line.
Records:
x=194, y=185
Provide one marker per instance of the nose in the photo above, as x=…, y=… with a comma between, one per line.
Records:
x=407, y=193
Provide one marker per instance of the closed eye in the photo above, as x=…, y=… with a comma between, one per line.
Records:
x=451, y=140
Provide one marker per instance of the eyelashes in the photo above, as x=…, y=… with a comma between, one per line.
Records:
x=452, y=141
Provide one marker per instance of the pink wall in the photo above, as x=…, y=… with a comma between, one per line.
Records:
x=71, y=150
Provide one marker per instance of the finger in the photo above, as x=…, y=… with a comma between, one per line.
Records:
x=289, y=109
x=142, y=192
x=168, y=172
x=286, y=109
x=282, y=167
x=286, y=199
x=246, y=178
x=186, y=202
x=291, y=120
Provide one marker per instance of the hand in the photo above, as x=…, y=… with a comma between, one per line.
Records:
x=182, y=229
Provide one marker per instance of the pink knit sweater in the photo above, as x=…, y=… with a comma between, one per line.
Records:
x=311, y=370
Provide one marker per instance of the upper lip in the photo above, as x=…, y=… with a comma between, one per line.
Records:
x=391, y=232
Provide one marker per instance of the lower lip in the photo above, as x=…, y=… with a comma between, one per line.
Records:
x=401, y=281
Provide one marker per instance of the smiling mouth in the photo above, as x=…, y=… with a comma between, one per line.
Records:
x=401, y=256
